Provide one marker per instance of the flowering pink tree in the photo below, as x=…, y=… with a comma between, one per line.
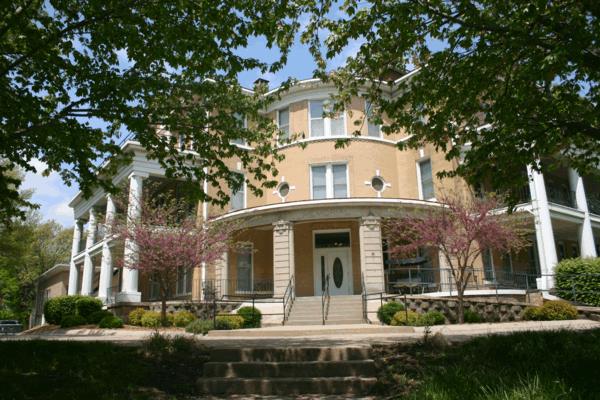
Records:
x=461, y=229
x=168, y=238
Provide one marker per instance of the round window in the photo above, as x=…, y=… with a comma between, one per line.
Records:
x=283, y=189
x=338, y=273
x=377, y=183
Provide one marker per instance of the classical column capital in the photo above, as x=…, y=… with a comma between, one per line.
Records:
x=138, y=175
x=282, y=226
x=370, y=222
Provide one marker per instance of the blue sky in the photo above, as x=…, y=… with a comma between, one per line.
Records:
x=53, y=195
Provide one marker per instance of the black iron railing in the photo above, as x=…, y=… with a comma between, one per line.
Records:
x=561, y=196
x=364, y=298
x=258, y=288
x=593, y=202
x=325, y=299
x=288, y=299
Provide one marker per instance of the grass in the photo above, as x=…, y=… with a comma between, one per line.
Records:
x=532, y=366
x=161, y=368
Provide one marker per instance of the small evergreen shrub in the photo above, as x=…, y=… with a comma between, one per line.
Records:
x=87, y=305
x=587, y=287
x=7, y=314
x=111, y=322
x=72, y=320
x=200, y=326
x=471, y=317
x=432, y=318
x=386, y=312
x=97, y=316
x=150, y=319
x=409, y=318
x=229, y=322
x=533, y=313
x=558, y=310
x=135, y=316
x=183, y=318
x=58, y=307
x=251, y=315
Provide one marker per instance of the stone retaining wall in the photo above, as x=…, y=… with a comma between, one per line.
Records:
x=202, y=310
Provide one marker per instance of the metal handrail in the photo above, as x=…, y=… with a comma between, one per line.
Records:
x=364, y=298
x=325, y=299
x=288, y=299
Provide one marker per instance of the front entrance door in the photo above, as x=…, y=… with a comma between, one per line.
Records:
x=336, y=264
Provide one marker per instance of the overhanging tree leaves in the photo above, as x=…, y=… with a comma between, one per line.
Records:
x=76, y=75
x=527, y=70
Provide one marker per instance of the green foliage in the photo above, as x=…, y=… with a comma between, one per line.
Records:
x=472, y=317
x=87, y=305
x=555, y=310
x=183, y=318
x=229, y=322
x=96, y=317
x=200, y=326
x=570, y=285
x=150, y=319
x=252, y=317
x=58, y=307
x=135, y=316
x=409, y=318
x=386, y=312
x=533, y=313
x=111, y=322
x=68, y=321
x=432, y=318
x=7, y=314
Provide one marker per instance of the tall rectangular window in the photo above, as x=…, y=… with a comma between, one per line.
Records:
x=238, y=197
x=329, y=181
x=488, y=265
x=244, y=270
x=241, y=121
x=283, y=121
x=184, y=281
x=317, y=122
x=336, y=123
x=426, y=180
x=325, y=126
x=373, y=129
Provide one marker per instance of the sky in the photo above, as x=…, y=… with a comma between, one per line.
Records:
x=54, y=196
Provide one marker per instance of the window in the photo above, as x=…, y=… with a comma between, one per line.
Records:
x=488, y=265
x=283, y=189
x=238, y=197
x=426, y=180
x=325, y=126
x=283, y=122
x=373, y=129
x=154, y=288
x=244, y=269
x=184, y=281
x=242, y=123
x=329, y=181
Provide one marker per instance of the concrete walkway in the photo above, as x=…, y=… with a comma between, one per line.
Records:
x=318, y=335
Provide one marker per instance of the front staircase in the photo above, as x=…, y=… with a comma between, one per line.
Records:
x=288, y=371
x=342, y=310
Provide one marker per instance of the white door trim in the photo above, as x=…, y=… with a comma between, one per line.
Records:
x=316, y=260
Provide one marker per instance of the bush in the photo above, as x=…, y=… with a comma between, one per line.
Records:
x=200, y=326
x=229, y=322
x=150, y=319
x=111, y=322
x=7, y=314
x=432, y=318
x=386, y=312
x=558, y=310
x=135, y=316
x=72, y=320
x=58, y=307
x=409, y=318
x=183, y=318
x=252, y=317
x=97, y=316
x=87, y=305
x=472, y=317
x=533, y=314
x=568, y=276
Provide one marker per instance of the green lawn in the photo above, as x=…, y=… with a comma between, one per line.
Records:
x=544, y=365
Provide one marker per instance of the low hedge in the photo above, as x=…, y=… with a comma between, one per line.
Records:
x=572, y=285
x=87, y=305
x=150, y=319
x=472, y=317
x=432, y=318
x=401, y=318
x=57, y=308
x=98, y=316
x=386, y=312
x=111, y=322
x=200, y=326
x=229, y=322
x=556, y=310
x=72, y=320
x=135, y=316
x=183, y=318
x=251, y=315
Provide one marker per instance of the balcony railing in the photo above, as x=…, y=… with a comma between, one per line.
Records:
x=221, y=288
x=593, y=202
x=561, y=196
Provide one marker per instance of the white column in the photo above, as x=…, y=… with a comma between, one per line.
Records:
x=586, y=235
x=371, y=253
x=283, y=256
x=106, y=266
x=447, y=283
x=73, y=270
x=543, y=228
x=129, y=291
x=88, y=266
x=222, y=275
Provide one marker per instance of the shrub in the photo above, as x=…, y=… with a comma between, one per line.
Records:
x=135, y=316
x=228, y=322
x=558, y=310
x=432, y=318
x=58, y=307
x=568, y=277
x=200, y=326
x=410, y=318
x=386, y=312
x=183, y=318
x=87, y=305
x=7, y=314
x=150, y=319
x=252, y=317
x=533, y=314
x=472, y=317
x=97, y=316
x=111, y=322
x=72, y=320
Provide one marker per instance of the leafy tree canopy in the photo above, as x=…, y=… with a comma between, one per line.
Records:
x=67, y=67
x=528, y=70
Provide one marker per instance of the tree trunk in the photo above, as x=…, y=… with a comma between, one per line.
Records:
x=163, y=306
x=461, y=306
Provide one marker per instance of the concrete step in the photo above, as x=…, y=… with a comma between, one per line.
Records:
x=285, y=386
x=328, y=322
x=303, y=369
x=291, y=354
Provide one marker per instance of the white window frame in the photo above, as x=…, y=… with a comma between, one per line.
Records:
x=493, y=267
x=289, y=133
x=380, y=133
x=188, y=274
x=420, y=182
x=250, y=249
x=245, y=126
x=326, y=122
x=243, y=187
x=329, y=192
